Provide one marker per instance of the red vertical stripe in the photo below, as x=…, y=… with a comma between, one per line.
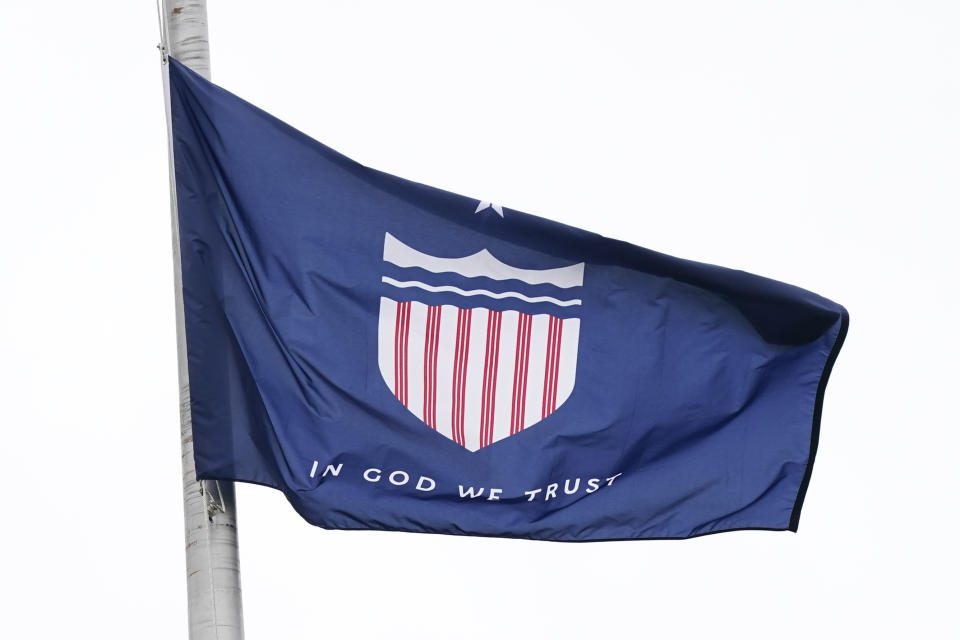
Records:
x=437, y=317
x=546, y=370
x=462, y=380
x=552, y=367
x=526, y=370
x=468, y=315
x=432, y=361
x=430, y=366
x=516, y=375
x=490, y=370
x=396, y=352
x=401, y=353
x=406, y=356
x=400, y=360
x=496, y=373
x=427, y=352
x=521, y=366
x=426, y=368
x=461, y=357
x=403, y=341
x=486, y=380
x=455, y=407
x=556, y=365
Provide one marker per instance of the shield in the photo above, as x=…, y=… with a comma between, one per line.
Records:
x=476, y=374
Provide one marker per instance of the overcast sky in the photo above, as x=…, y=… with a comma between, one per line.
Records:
x=816, y=143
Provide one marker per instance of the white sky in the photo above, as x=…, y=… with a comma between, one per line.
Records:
x=816, y=143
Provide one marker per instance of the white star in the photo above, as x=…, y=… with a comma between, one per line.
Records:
x=489, y=205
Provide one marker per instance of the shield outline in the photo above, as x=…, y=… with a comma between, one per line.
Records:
x=474, y=374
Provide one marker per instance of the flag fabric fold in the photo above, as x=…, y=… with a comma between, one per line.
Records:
x=393, y=356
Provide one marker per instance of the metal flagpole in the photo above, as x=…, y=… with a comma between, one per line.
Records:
x=209, y=507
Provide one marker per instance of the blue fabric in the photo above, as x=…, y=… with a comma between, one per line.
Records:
x=697, y=389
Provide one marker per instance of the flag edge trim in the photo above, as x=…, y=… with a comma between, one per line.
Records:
x=817, y=415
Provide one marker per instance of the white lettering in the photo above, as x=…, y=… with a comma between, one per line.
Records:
x=333, y=470
x=366, y=475
x=421, y=487
x=612, y=478
x=593, y=484
x=566, y=487
x=399, y=474
x=313, y=471
x=469, y=493
x=495, y=494
x=551, y=491
x=532, y=494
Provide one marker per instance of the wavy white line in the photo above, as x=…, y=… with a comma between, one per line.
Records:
x=477, y=292
x=483, y=263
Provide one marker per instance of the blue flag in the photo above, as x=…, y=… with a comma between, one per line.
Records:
x=393, y=356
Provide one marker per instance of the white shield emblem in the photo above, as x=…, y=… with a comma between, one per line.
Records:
x=473, y=374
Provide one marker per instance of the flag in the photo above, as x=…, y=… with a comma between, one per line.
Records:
x=397, y=357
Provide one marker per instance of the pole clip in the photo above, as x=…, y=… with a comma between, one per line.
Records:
x=213, y=498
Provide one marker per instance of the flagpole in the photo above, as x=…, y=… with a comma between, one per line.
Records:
x=214, y=606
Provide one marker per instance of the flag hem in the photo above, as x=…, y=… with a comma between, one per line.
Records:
x=532, y=537
x=817, y=413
